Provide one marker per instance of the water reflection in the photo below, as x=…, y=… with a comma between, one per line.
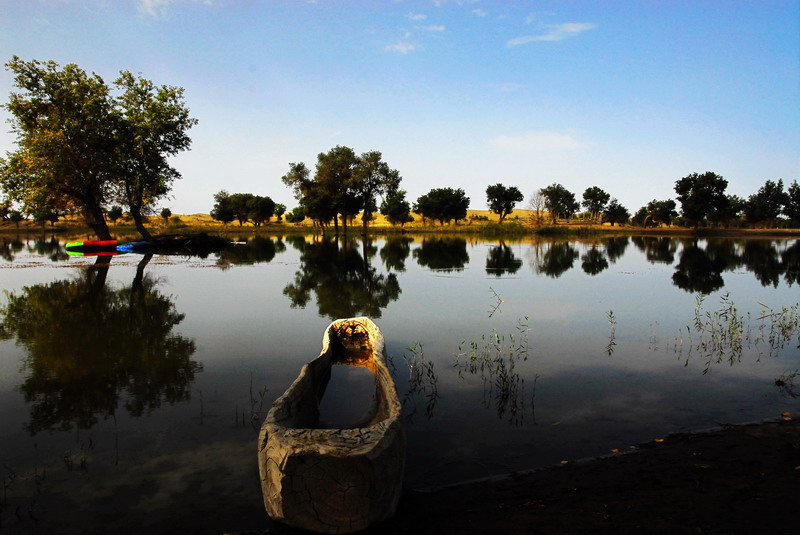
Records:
x=90, y=346
x=442, y=254
x=698, y=271
x=395, y=253
x=255, y=250
x=345, y=282
x=594, y=261
x=501, y=261
x=558, y=259
x=657, y=249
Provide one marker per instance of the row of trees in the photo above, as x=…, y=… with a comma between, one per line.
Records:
x=245, y=207
x=84, y=145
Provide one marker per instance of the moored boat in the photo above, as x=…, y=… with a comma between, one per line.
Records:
x=334, y=480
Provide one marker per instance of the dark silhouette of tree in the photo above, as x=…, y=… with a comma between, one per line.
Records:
x=395, y=252
x=616, y=213
x=501, y=261
x=344, y=281
x=501, y=199
x=594, y=261
x=91, y=347
x=698, y=272
x=443, y=204
x=442, y=254
x=657, y=249
x=396, y=208
x=767, y=204
x=700, y=194
x=559, y=258
x=559, y=201
x=595, y=201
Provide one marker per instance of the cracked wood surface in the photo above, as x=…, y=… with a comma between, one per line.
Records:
x=334, y=480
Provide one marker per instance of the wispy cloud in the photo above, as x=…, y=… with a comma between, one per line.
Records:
x=537, y=141
x=155, y=8
x=556, y=32
x=479, y=12
x=158, y=8
x=417, y=16
x=433, y=28
x=401, y=47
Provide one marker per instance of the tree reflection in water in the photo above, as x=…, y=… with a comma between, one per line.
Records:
x=255, y=250
x=343, y=279
x=501, y=261
x=442, y=254
x=395, y=253
x=657, y=249
x=558, y=259
x=89, y=346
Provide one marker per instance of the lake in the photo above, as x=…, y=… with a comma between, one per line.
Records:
x=132, y=388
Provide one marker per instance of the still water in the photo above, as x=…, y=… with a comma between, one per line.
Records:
x=132, y=388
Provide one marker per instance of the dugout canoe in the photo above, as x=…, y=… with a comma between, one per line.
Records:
x=334, y=480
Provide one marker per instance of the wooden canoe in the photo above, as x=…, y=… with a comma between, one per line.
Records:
x=334, y=480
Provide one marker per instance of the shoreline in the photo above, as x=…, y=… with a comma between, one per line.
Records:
x=734, y=479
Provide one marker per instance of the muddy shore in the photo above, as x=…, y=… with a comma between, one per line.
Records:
x=740, y=479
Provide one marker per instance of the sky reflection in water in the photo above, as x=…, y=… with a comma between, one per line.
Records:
x=140, y=385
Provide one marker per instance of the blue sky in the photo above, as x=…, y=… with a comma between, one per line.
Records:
x=629, y=96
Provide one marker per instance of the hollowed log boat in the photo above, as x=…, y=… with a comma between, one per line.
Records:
x=334, y=480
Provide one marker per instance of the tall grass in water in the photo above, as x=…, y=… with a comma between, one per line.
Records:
x=494, y=359
x=723, y=335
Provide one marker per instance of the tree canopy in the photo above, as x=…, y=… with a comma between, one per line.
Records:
x=767, y=204
x=700, y=194
x=443, y=204
x=559, y=201
x=501, y=199
x=81, y=147
x=595, y=201
x=396, y=208
x=344, y=184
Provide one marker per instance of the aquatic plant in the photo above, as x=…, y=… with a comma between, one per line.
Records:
x=724, y=334
x=422, y=381
x=494, y=359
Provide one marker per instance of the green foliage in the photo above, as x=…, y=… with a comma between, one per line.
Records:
x=396, y=208
x=280, y=209
x=296, y=215
x=616, y=213
x=767, y=204
x=114, y=213
x=595, y=200
x=501, y=200
x=792, y=207
x=662, y=211
x=223, y=208
x=261, y=209
x=700, y=194
x=559, y=201
x=166, y=213
x=80, y=145
x=443, y=204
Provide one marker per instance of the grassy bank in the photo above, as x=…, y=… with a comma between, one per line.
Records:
x=478, y=223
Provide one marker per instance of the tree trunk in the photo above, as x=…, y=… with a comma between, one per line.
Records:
x=93, y=214
x=136, y=214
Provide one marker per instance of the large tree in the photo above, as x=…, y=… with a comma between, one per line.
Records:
x=616, y=213
x=79, y=145
x=373, y=177
x=396, y=208
x=443, y=204
x=154, y=124
x=66, y=138
x=501, y=199
x=662, y=211
x=595, y=200
x=792, y=207
x=559, y=201
x=700, y=194
x=767, y=204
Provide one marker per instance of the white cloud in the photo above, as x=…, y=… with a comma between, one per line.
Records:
x=480, y=12
x=417, y=16
x=433, y=28
x=537, y=141
x=154, y=7
x=401, y=47
x=557, y=32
